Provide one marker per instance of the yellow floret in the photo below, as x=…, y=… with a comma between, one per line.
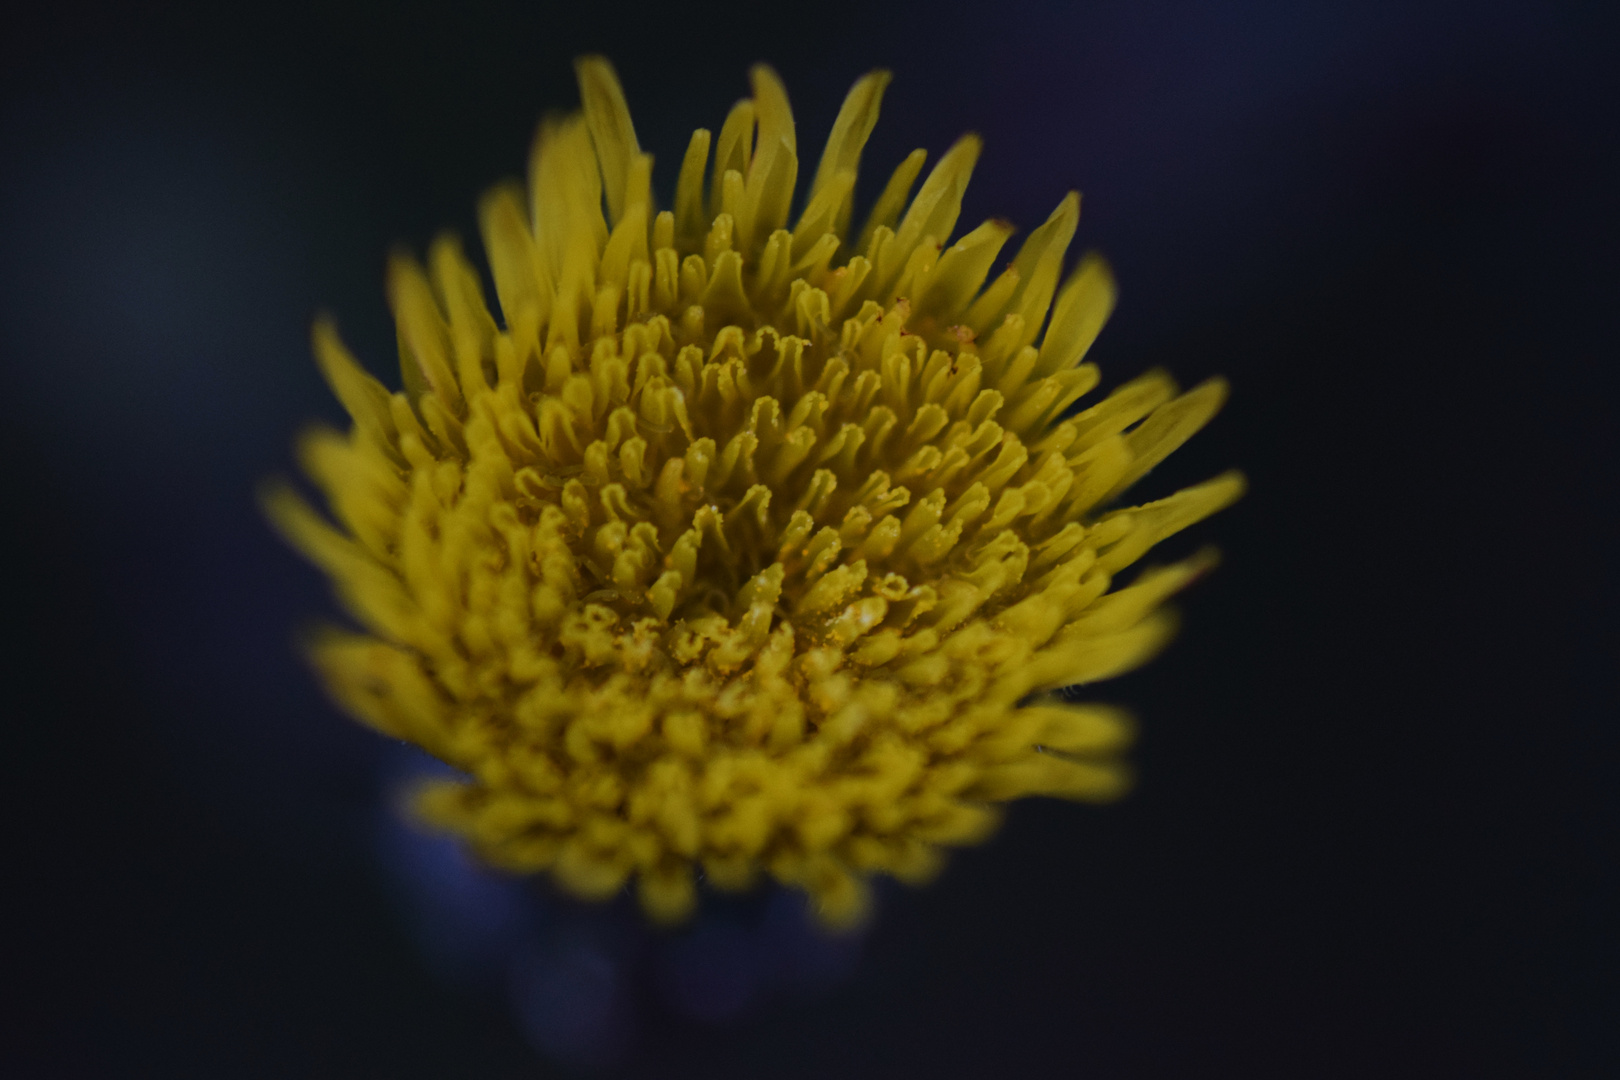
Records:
x=739, y=548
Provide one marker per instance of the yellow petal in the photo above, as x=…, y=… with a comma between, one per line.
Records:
x=611, y=130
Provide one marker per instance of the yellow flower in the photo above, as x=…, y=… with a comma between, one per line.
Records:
x=742, y=547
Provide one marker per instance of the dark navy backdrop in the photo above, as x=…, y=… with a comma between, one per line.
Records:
x=1375, y=831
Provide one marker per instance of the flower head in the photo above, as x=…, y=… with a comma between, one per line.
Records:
x=744, y=544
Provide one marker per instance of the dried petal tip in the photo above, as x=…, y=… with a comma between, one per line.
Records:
x=736, y=547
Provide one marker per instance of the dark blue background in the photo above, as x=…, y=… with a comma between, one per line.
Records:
x=1375, y=832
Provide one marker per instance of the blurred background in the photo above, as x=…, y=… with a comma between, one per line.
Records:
x=1376, y=828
